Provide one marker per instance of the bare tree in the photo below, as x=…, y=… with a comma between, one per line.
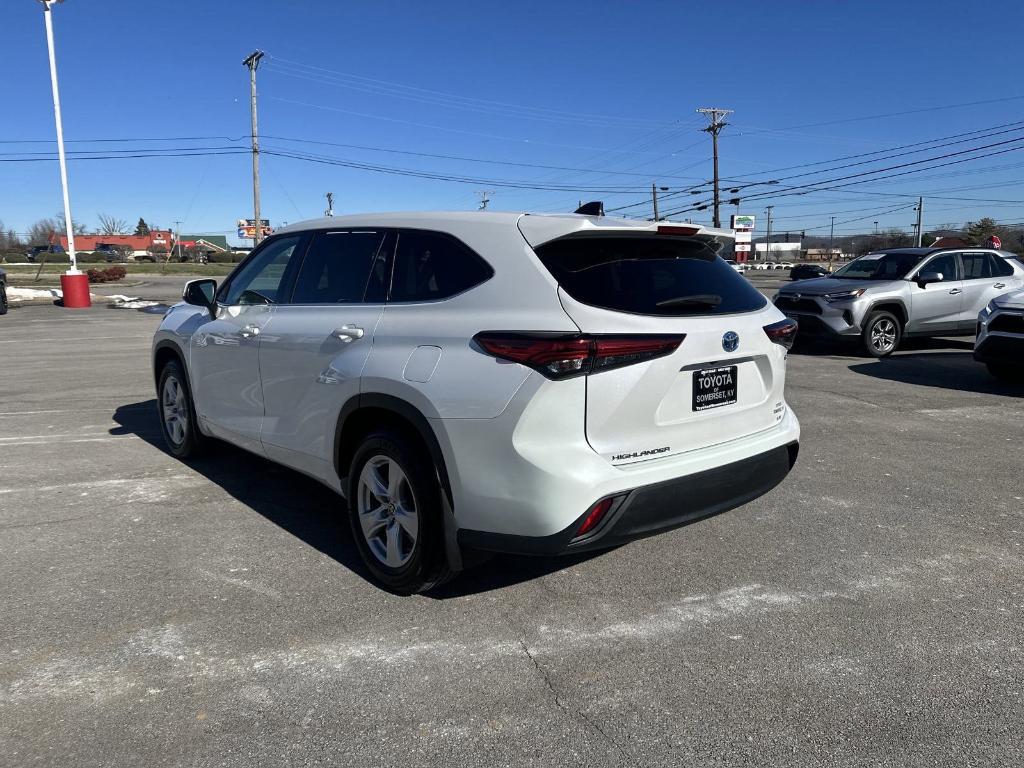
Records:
x=43, y=232
x=110, y=225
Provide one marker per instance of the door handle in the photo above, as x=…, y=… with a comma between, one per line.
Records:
x=348, y=333
x=955, y=291
x=249, y=331
x=999, y=285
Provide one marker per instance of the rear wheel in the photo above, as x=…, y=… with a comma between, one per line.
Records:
x=177, y=412
x=3, y=299
x=881, y=334
x=1006, y=372
x=395, y=513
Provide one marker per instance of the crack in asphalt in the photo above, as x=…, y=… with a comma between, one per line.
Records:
x=575, y=713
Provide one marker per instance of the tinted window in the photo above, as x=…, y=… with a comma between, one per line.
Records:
x=1000, y=267
x=261, y=278
x=976, y=265
x=337, y=268
x=944, y=264
x=879, y=266
x=431, y=266
x=652, y=275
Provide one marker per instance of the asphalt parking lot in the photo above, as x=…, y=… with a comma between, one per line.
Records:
x=866, y=612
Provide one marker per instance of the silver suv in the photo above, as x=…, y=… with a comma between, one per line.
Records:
x=883, y=297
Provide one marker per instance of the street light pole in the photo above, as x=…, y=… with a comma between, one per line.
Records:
x=60, y=136
x=768, y=241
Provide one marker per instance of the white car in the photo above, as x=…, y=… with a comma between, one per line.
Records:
x=1000, y=337
x=539, y=384
x=741, y=268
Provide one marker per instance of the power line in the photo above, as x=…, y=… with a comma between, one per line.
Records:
x=426, y=95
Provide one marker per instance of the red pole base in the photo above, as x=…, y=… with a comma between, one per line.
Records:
x=76, y=290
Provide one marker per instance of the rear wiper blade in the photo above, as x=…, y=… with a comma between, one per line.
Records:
x=696, y=300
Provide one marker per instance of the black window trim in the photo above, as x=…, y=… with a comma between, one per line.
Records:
x=385, y=233
x=289, y=279
x=394, y=259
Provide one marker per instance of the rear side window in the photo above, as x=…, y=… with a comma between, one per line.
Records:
x=649, y=275
x=337, y=268
x=976, y=265
x=430, y=266
x=1000, y=267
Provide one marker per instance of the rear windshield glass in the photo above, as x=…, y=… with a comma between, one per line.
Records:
x=879, y=266
x=649, y=275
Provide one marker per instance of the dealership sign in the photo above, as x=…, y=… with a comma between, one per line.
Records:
x=742, y=222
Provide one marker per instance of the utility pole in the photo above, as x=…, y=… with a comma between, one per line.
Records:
x=330, y=204
x=715, y=115
x=252, y=61
x=485, y=198
x=831, y=237
x=177, y=240
x=768, y=243
x=920, y=211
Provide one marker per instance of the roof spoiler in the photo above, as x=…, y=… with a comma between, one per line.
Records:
x=595, y=208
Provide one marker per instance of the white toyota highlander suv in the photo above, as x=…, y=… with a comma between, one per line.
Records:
x=536, y=384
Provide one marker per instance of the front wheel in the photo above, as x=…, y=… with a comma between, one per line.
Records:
x=881, y=334
x=1006, y=372
x=395, y=512
x=177, y=413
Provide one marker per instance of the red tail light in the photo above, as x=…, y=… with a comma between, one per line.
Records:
x=594, y=517
x=559, y=356
x=783, y=332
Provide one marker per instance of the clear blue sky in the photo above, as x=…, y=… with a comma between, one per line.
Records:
x=608, y=87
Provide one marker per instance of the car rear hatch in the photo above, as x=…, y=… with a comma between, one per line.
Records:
x=623, y=279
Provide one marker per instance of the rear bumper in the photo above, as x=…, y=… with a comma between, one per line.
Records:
x=652, y=509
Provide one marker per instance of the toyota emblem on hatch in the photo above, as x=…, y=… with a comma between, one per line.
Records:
x=730, y=341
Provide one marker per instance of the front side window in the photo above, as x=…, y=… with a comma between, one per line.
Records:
x=976, y=265
x=878, y=266
x=430, y=266
x=944, y=264
x=338, y=267
x=262, y=278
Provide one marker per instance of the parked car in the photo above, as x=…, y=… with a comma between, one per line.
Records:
x=883, y=297
x=741, y=268
x=807, y=272
x=1000, y=337
x=488, y=381
x=3, y=292
x=36, y=254
x=114, y=254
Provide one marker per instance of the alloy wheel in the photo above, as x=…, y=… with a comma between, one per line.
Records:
x=175, y=410
x=883, y=335
x=388, y=515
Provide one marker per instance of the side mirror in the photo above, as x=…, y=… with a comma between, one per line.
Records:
x=926, y=278
x=201, y=293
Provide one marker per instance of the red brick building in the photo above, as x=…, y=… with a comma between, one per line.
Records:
x=139, y=244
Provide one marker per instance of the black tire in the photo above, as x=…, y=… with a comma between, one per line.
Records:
x=425, y=564
x=3, y=299
x=882, y=334
x=189, y=442
x=1008, y=373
